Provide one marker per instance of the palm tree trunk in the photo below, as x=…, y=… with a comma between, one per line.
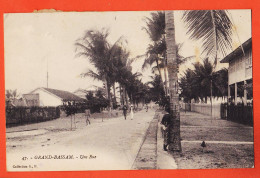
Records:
x=215, y=37
x=165, y=77
x=106, y=88
x=157, y=63
x=174, y=130
x=120, y=90
x=125, y=97
x=108, y=85
x=114, y=92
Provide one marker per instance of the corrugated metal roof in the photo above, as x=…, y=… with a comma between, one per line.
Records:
x=237, y=52
x=65, y=95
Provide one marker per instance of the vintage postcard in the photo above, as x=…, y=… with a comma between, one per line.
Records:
x=128, y=90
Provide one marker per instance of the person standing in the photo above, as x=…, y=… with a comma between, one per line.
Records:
x=125, y=111
x=166, y=120
x=87, y=115
x=165, y=130
x=132, y=111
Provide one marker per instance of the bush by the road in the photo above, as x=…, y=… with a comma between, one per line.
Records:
x=25, y=115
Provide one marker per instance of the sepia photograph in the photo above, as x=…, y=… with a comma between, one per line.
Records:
x=128, y=90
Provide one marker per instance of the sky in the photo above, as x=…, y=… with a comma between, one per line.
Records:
x=34, y=42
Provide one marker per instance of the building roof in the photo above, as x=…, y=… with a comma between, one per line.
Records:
x=64, y=95
x=238, y=51
x=31, y=96
x=94, y=88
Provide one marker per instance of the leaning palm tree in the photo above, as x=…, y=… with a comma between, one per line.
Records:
x=215, y=29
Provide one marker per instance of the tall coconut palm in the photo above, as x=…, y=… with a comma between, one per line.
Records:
x=153, y=56
x=214, y=28
x=156, y=52
x=101, y=53
x=123, y=72
x=155, y=28
x=174, y=130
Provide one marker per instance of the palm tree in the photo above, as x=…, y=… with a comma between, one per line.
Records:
x=174, y=131
x=198, y=83
x=131, y=84
x=101, y=53
x=11, y=94
x=214, y=28
x=122, y=72
x=190, y=87
x=155, y=28
x=152, y=56
x=156, y=52
x=156, y=90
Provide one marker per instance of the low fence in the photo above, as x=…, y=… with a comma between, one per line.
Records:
x=24, y=115
x=238, y=113
x=206, y=109
x=185, y=106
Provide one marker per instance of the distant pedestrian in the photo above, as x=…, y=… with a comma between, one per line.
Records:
x=132, y=111
x=125, y=111
x=87, y=115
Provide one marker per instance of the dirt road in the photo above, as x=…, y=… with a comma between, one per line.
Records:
x=103, y=145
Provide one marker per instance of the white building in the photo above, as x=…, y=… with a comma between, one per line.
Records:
x=53, y=97
x=240, y=73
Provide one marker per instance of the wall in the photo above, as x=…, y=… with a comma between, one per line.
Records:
x=206, y=109
x=48, y=99
x=32, y=99
x=240, y=69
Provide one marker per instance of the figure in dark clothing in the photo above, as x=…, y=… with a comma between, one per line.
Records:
x=124, y=111
x=165, y=130
x=166, y=120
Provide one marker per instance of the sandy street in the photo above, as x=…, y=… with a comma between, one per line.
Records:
x=109, y=145
x=228, y=144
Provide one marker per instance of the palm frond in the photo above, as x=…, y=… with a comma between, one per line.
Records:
x=91, y=73
x=155, y=25
x=200, y=24
x=182, y=60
